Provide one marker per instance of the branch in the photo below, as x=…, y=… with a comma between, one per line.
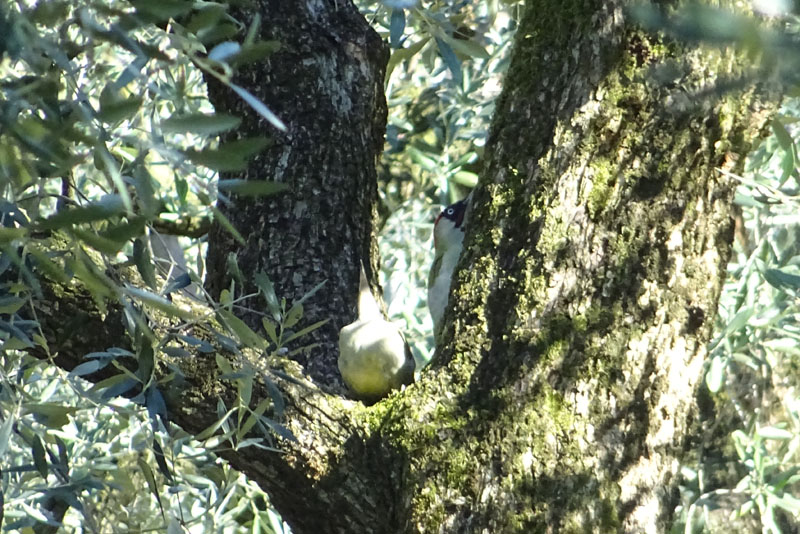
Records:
x=187, y=227
x=312, y=478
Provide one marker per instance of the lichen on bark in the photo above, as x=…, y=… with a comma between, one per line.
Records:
x=593, y=264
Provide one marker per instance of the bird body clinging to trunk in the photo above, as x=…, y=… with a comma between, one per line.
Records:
x=448, y=237
x=374, y=358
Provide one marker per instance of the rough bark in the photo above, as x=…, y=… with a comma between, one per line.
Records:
x=326, y=84
x=594, y=258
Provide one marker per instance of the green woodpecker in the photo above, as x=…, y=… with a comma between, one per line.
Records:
x=448, y=236
x=374, y=358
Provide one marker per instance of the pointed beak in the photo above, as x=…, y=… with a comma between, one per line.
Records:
x=460, y=218
x=438, y=218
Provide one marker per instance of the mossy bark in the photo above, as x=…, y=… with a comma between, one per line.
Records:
x=593, y=263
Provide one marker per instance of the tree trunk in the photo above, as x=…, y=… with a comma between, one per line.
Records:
x=595, y=252
x=594, y=259
x=326, y=83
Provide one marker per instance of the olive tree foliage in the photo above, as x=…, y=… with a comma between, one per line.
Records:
x=108, y=154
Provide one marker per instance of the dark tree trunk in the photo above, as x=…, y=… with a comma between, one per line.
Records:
x=326, y=84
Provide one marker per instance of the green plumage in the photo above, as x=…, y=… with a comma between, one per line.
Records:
x=374, y=358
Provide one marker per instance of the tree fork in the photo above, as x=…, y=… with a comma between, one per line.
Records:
x=592, y=267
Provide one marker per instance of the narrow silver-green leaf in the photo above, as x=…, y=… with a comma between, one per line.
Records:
x=305, y=330
x=10, y=418
x=200, y=123
x=264, y=284
x=451, y=60
x=10, y=304
x=97, y=242
x=782, y=279
x=715, y=377
x=259, y=106
x=294, y=315
x=39, y=459
x=243, y=332
x=109, y=206
x=270, y=329
x=118, y=110
x=773, y=432
x=256, y=51
x=143, y=262
x=158, y=302
x=251, y=187
x=231, y=156
x=226, y=223
x=397, y=25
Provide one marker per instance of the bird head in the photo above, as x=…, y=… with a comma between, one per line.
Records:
x=449, y=226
